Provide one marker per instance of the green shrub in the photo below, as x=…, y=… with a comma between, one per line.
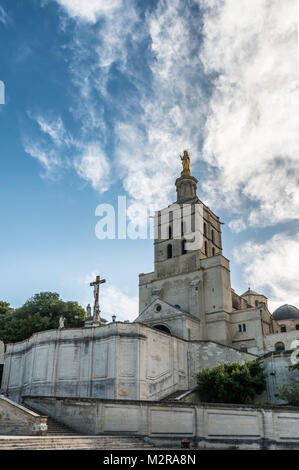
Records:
x=289, y=393
x=231, y=382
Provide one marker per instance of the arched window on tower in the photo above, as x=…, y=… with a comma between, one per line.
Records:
x=184, y=251
x=169, y=251
x=206, y=248
x=170, y=232
x=279, y=346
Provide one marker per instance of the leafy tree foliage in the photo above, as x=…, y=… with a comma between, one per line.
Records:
x=4, y=307
x=231, y=382
x=40, y=312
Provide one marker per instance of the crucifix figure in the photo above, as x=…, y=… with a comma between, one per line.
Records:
x=96, y=291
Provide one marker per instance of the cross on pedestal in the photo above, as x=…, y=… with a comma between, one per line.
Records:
x=96, y=291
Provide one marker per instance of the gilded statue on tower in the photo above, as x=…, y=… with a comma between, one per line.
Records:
x=186, y=163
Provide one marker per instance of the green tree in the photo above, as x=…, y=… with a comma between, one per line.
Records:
x=4, y=307
x=41, y=312
x=231, y=382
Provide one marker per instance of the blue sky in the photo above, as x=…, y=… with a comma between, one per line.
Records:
x=102, y=97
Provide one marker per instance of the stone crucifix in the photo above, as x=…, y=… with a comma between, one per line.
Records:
x=96, y=292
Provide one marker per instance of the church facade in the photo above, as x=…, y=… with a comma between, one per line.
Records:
x=189, y=318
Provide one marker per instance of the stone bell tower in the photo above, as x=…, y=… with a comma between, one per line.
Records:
x=176, y=224
x=189, y=291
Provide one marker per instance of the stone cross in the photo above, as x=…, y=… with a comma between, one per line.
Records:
x=96, y=292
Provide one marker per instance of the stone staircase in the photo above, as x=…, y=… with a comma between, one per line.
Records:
x=55, y=428
x=58, y=429
x=72, y=443
x=174, y=396
x=61, y=437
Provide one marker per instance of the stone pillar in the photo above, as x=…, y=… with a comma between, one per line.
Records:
x=186, y=187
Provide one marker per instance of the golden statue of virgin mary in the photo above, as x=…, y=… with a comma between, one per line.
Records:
x=186, y=163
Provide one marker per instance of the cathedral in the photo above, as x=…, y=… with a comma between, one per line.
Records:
x=190, y=318
x=189, y=294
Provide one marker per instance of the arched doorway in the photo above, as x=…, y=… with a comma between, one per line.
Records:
x=163, y=328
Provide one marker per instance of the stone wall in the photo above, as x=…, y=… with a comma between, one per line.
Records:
x=167, y=423
x=117, y=361
x=286, y=338
x=15, y=420
x=276, y=367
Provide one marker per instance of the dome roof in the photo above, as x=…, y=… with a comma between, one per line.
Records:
x=286, y=312
x=252, y=292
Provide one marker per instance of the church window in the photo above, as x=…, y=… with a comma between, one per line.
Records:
x=163, y=328
x=169, y=251
x=158, y=308
x=205, y=228
x=213, y=251
x=283, y=329
x=178, y=306
x=297, y=326
x=183, y=228
x=279, y=346
x=244, y=327
x=184, y=251
x=213, y=236
x=243, y=349
x=240, y=328
x=169, y=232
x=206, y=249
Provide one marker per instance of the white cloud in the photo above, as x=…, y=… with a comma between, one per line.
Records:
x=170, y=99
x=116, y=302
x=171, y=113
x=250, y=139
x=54, y=128
x=48, y=158
x=89, y=10
x=273, y=266
x=3, y=15
x=93, y=166
x=237, y=225
x=253, y=125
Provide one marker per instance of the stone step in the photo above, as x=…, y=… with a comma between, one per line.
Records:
x=174, y=395
x=55, y=428
x=65, y=443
